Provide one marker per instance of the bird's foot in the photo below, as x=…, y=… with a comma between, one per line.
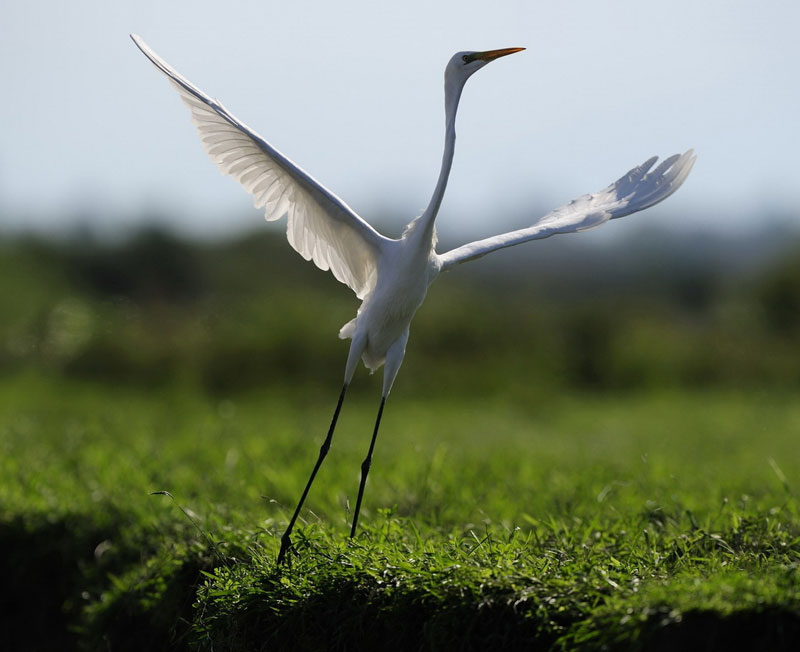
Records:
x=286, y=546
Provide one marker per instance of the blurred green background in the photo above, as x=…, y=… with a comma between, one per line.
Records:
x=643, y=387
x=646, y=311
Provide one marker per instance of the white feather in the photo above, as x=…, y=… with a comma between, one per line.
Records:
x=320, y=226
x=635, y=191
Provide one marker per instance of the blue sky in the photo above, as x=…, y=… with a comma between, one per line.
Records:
x=353, y=93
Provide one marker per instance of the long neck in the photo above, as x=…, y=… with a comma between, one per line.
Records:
x=451, y=97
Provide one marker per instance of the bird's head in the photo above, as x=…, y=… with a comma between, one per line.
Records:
x=463, y=64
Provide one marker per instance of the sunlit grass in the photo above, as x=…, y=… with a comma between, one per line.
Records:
x=571, y=521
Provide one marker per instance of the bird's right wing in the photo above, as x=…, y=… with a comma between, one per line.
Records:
x=637, y=190
x=320, y=226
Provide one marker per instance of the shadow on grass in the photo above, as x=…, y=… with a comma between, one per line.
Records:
x=41, y=570
x=72, y=584
x=67, y=588
x=342, y=615
x=770, y=629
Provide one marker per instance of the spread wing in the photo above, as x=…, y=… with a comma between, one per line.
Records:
x=320, y=226
x=637, y=190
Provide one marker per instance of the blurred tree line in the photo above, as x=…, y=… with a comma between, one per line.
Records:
x=647, y=312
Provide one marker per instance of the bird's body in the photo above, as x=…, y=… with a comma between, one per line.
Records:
x=390, y=276
x=407, y=267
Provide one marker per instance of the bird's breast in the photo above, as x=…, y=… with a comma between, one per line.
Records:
x=386, y=314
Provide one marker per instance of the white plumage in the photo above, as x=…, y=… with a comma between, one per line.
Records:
x=637, y=190
x=321, y=227
x=390, y=276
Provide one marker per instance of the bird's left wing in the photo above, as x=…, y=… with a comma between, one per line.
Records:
x=320, y=226
x=637, y=190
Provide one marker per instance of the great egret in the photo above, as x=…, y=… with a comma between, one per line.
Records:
x=391, y=277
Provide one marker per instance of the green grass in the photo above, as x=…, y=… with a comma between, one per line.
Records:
x=618, y=470
x=639, y=521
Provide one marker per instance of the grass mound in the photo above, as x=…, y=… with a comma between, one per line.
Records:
x=630, y=522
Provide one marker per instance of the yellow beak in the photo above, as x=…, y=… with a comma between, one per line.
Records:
x=491, y=55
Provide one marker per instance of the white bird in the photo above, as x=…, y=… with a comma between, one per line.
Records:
x=391, y=277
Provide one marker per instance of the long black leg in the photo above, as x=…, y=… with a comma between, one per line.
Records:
x=286, y=542
x=365, y=468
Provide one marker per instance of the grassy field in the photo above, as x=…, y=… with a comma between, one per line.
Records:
x=637, y=522
x=569, y=461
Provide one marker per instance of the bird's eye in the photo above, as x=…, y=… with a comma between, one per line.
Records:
x=465, y=58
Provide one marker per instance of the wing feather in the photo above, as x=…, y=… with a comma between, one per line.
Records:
x=640, y=188
x=320, y=226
